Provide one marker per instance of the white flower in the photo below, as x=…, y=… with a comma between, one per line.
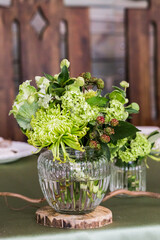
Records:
x=44, y=101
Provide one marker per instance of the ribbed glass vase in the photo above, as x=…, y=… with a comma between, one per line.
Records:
x=74, y=187
x=130, y=176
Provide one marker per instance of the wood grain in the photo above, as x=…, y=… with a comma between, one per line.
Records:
x=138, y=61
x=100, y=217
x=38, y=54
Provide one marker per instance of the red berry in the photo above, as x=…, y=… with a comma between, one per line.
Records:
x=114, y=122
x=105, y=138
x=109, y=130
x=93, y=135
x=94, y=144
x=100, y=120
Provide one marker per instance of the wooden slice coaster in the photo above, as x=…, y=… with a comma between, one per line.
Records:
x=100, y=217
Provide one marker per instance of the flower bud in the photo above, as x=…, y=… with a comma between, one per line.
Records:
x=114, y=122
x=64, y=62
x=124, y=84
x=30, y=99
x=87, y=75
x=56, y=76
x=100, y=83
x=135, y=106
x=79, y=82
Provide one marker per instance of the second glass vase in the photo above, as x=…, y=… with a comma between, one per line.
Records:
x=130, y=176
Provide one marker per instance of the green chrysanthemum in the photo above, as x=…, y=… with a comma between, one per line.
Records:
x=52, y=128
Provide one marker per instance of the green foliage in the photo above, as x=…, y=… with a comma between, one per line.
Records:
x=63, y=76
x=25, y=114
x=117, y=95
x=123, y=130
x=153, y=136
x=97, y=101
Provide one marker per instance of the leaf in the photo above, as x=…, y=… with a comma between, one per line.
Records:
x=120, y=90
x=123, y=130
x=117, y=96
x=70, y=81
x=154, y=137
x=59, y=91
x=25, y=113
x=97, y=101
x=131, y=110
x=49, y=77
x=63, y=76
x=106, y=150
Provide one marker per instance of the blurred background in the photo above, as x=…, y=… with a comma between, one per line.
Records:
x=114, y=39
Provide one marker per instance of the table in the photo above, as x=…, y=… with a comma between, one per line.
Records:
x=133, y=218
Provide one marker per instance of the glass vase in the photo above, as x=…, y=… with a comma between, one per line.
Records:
x=75, y=187
x=130, y=176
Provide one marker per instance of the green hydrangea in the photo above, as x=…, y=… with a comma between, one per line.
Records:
x=89, y=94
x=26, y=92
x=73, y=102
x=42, y=84
x=126, y=156
x=114, y=148
x=51, y=128
x=138, y=147
x=115, y=110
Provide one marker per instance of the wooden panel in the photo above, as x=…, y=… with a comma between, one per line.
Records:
x=138, y=59
x=38, y=53
x=76, y=26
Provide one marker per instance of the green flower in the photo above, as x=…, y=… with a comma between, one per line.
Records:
x=42, y=84
x=89, y=94
x=116, y=110
x=27, y=93
x=73, y=102
x=140, y=146
x=51, y=128
x=126, y=156
x=135, y=148
x=114, y=148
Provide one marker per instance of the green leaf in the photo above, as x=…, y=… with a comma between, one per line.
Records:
x=120, y=90
x=49, y=77
x=97, y=101
x=131, y=110
x=69, y=82
x=106, y=150
x=152, y=138
x=59, y=91
x=117, y=96
x=25, y=113
x=63, y=76
x=123, y=130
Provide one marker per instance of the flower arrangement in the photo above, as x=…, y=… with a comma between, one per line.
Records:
x=71, y=112
x=83, y=129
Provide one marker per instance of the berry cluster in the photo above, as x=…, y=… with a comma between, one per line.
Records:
x=101, y=132
x=92, y=81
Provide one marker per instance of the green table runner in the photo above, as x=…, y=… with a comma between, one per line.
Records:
x=133, y=218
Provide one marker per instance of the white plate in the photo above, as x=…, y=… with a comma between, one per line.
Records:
x=16, y=151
